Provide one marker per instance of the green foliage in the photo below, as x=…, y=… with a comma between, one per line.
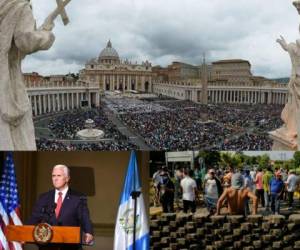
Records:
x=211, y=158
x=232, y=160
x=263, y=160
x=297, y=159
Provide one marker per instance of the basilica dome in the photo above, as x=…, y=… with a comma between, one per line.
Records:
x=109, y=55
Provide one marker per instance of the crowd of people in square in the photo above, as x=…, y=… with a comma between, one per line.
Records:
x=65, y=127
x=169, y=125
x=121, y=105
x=242, y=191
x=56, y=145
x=187, y=125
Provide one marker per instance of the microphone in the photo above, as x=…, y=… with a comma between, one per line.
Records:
x=52, y=208
x=47, y=212
x=44, y=214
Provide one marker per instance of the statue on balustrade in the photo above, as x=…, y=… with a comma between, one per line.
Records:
x=20, y=37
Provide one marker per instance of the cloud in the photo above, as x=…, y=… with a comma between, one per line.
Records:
x=169, y=30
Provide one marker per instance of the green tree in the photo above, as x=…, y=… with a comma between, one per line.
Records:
x=211, y=158
x=297, y=159
x=263, y=160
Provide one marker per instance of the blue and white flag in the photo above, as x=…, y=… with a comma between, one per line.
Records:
x=125, y=220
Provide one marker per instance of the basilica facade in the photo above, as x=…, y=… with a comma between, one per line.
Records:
x=110, y=73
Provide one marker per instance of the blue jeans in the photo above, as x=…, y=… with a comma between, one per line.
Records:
x=275, y=203
x=267, y=199
x=247, y=209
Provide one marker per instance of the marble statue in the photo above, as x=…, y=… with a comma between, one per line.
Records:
x=20, y=37
x=291, y=110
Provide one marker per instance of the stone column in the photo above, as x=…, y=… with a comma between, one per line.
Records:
x=63, y=101
x=129, y=82
x=97, y=99
x=111, y=82
x=123, y=83
x=40, y=105
x=143, y=83
x=35, y=105
x=269, y=98
x=77, y=99
x=103, y=83
x=44, y=104
x=53, y=102
x=68, y=101
x=72, y=100
x=58, y=102
x=118, y=79
x=49, y=103
x=89, y=99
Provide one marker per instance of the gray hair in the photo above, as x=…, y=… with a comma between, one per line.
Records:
x=65, y=169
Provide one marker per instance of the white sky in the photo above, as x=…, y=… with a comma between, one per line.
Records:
x=163, y=31
x=274, y=155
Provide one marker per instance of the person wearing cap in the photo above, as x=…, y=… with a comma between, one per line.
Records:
x=166, y=191
x=236, y=196
x=291, y=185
x=212, y=191
x=276, y=188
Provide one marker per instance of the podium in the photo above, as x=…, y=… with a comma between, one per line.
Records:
x=61, y=235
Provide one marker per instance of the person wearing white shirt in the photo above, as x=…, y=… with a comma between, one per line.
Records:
x=291, y=185
x=189, y=191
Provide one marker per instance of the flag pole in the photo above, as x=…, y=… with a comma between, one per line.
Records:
x=135, y=195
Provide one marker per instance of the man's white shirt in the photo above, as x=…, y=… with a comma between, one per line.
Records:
x=64, y=192
x=188, y=188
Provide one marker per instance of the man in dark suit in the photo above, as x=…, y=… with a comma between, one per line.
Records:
x=63, y=206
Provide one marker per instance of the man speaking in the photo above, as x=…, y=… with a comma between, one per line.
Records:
x=63, y=206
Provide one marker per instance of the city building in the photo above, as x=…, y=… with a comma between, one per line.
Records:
x=179, y=71
x=48, y=95
x=111, y=73
x=225, y=81
x=228, y=81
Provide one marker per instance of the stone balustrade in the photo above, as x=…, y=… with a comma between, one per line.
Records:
x=180, y=231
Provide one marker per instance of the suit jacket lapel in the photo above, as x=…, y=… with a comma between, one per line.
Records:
x=51, y=204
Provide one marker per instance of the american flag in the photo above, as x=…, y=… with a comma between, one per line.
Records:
x=9, y=203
